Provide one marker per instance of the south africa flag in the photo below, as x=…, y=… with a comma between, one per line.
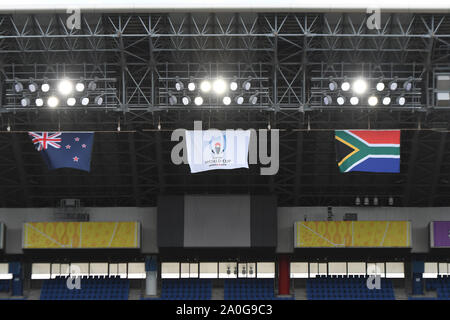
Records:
x=368, y=150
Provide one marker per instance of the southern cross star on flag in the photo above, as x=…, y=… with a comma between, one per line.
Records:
x=64, y=149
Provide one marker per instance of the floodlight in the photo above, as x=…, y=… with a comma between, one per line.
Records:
x=246, y=85
x=354, y=101
x=226, y=100
x=219, y=86
x=401, y=100
x=186, y=100
x=239, y=99
x=85, y=100
x=65, y=87
x=359, y=86
x=98, y=100
x=345, y=86
x=25, y=102
x=71, y=101
x=179, y=85
x=373, y=101
x=327, y=100
x=18, y=87
x=39, y=102
x=387, y=100
x=205, y=86
x=198, y=101
x=52, y=102
x=340, y=100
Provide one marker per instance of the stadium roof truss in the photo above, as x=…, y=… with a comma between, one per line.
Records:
x=290, y=57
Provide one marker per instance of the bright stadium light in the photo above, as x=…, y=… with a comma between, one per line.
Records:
x=191, y=84
x=373, y=101
x=226, y=100
x=246, y=85
x=386, y=100
x=234, y=84
x=327, y=100
x=25, y=102
x=79, y=86
x=380, y=85
x=219, y=86
x=239, y=100
x=205, y=86
x=45, y=87
x=178, y=84
x=32, y=86
x=186, y=100
x=401, y=100
x=408, y=84
x=359, y=86
x=332, y=85
x=52, y=102
x=393, y=85
x=198, y=101
x=18, y=86
x=345, y=86
x=39, y=102
x=340, y=100
x=84, y=100
x=354, y=101
x=65, y=87
x=71, y=101
x=98, y=100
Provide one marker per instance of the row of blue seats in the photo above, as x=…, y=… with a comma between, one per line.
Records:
x=186, y=289
x=5, y=285
x=94, y=288
x=340, y=289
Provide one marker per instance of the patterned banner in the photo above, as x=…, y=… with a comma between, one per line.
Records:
x=440, y=234
x=83, y=235
x=358, y=234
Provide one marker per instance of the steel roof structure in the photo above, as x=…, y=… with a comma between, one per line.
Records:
x=290, y=57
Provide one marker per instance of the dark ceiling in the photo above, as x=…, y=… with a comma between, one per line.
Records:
x=144, y=53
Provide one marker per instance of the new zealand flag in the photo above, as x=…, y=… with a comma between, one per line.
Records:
x=65, y=149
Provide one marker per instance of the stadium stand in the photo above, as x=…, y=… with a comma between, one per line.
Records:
x=4, y=285
x=441, y=285
x=249, y=289
x=186, y=289
x=92, y=288
x=347, y=288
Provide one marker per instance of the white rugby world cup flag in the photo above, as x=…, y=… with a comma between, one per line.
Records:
x=215, y=149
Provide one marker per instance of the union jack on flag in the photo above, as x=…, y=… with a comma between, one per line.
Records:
x=64, y=149
x=45, y=139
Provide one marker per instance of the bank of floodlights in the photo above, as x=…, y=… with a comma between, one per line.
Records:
x=66, y=92
x=227, y=92
x=362, y=91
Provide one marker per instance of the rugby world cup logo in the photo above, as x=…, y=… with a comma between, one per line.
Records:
x=218, y=145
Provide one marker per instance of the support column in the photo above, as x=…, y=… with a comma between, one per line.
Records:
x=151, y=281
x=284, y=275
x=417, y=271
x=15, y=268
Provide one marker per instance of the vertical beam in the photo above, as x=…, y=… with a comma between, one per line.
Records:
x=159, y=159
x=437, y=168
x=411, y=167
x=134, y=171
x=23, y=181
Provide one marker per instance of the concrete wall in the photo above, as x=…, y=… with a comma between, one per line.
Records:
x=14, y=219
x=420, y=218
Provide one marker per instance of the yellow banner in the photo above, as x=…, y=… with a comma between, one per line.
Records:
x=82, y=235
x=352, y=234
